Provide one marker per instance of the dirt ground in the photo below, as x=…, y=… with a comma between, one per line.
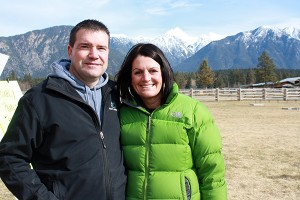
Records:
x=261, y=146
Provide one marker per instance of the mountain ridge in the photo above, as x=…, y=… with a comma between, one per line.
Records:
x=34, y=51
x=243, y=49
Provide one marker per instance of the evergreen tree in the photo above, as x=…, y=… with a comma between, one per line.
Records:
x=180, y=79
x=205, y=75
x=219, y=81
x=238, y=78
x=280, y=75
x=250, y=77
x=265, y=69
x=12, y=76
x=188, y=83
x=232, y=79
x=27, y=78
x=226, y=80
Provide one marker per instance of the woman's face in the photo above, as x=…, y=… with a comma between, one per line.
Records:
x=146, y=80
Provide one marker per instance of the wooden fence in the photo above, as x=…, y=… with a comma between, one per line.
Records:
x=240, y=94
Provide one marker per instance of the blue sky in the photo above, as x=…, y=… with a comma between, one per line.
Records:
x=151, y=17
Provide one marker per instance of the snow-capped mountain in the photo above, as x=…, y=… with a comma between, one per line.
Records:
x=172, y=38
x=175, y=43
x=263, y=32
x=243, y=49
x=33, y=52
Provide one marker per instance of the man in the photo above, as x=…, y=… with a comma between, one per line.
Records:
x=63, y=141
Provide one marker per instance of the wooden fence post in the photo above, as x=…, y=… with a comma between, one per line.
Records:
x=285, y=95
x=239, y=93
x=264, y=94
x=217, y=94
x=191, y=93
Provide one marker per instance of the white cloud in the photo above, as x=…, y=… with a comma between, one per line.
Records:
x=149, y=17
x=184, y=4
x=166, y=7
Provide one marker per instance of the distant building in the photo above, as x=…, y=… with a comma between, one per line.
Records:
x=259, y=85
x=288, y=83
x=284, y=83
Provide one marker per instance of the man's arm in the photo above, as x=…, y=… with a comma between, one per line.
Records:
x=16, y=152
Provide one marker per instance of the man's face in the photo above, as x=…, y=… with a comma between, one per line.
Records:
x=89, y=56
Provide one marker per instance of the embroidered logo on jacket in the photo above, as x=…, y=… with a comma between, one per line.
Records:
x=113, y=106
x=176, y=114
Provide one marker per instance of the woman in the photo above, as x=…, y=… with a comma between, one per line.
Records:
x=171, y=145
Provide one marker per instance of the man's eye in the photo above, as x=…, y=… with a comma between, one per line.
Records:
x=84, y=46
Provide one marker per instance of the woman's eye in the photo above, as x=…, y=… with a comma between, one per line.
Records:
x=137, y=72
x=153, y=71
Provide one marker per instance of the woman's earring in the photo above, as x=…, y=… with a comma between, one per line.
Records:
x=130, y=92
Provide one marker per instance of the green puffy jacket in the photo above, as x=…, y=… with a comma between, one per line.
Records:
x=173, y=152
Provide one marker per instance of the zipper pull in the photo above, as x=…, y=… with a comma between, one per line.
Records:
x=148, y=124
x=102, y=139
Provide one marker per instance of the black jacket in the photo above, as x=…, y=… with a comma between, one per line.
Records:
x=59, y=134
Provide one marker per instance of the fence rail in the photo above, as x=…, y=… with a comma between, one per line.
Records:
x=240, y=94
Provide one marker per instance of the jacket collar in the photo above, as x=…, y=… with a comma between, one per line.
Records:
x=173, y=93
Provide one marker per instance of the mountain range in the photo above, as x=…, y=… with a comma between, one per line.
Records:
x=33, y=52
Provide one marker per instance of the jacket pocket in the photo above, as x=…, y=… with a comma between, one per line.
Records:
x=189, y=185
x=188, y=188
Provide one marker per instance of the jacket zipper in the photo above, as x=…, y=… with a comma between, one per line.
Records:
x=188, y=188
x=102, y=139
x=104, y=153
x=107, y=172
x=147, y=157
x=106, y=168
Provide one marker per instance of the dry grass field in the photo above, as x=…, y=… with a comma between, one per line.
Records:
x=261, y=146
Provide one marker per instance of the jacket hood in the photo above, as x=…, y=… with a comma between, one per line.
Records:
x=61, y=70
x=91, y=96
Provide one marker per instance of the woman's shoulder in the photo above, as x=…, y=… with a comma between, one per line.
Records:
x=191, y=103
x=187, y=99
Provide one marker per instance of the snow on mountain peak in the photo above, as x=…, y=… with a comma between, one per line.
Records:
x=293, y=32
x=264, y=31
x=261, y=31
x=175, y=38
x=180, y=34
